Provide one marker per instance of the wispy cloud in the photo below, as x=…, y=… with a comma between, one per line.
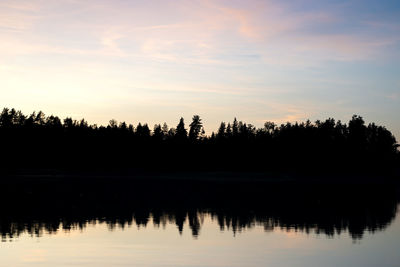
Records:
x=17, y=16
x=198, y=33
x=393, y=96
x=227, y=57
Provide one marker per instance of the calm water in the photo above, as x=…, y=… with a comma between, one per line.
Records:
x=197, y=224
x=162, y=244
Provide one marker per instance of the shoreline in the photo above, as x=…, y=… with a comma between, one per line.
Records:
x=245, y=177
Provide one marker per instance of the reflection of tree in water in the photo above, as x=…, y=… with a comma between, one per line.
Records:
x=308, y=220
x=322, y=218
x=324, y=147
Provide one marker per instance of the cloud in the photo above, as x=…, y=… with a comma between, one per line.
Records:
x=186, y=32
x=256, y=59
x=17, y=16
x=21, y=5
x=393, y=96
x=287, y=112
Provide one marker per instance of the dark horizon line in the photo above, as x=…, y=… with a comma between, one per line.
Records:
x=38, y=115
x=329, y=146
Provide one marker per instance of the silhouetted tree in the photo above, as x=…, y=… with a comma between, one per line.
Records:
x=228, y=130
x=5, y=118
x=164, y=130
x=142, y=131
x=195, y=128
x=171, y=133
x=269, y=127
x=221, y=131
x=235, y=128
x=123, y=126
x=49, y=142
x=157, y=132
x=113, y=124
x=181, y=132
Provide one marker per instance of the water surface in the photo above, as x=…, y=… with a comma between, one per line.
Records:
x=198, y=224
x=162, y=245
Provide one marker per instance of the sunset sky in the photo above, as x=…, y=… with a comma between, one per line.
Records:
x=155, y=61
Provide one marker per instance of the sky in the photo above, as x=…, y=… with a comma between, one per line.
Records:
x=155, y=61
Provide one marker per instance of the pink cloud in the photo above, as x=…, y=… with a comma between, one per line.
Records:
x=185, y=31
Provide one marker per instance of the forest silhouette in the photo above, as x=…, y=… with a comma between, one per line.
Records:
x=64, y=174
x=37, y=141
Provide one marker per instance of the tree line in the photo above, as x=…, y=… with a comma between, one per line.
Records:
x=40, y=141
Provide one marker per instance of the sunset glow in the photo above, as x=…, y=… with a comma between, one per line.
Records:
x=155, y=61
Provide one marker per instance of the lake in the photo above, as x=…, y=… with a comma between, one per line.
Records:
x=249, y=226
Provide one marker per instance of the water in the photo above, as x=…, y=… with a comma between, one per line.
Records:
x=200, y=226
x=162, y=244
x=98, y=245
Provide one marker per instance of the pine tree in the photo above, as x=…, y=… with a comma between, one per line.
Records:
x=181, y=132
x=195, y=128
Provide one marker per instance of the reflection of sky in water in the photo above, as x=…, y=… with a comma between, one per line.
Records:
x=96, y=245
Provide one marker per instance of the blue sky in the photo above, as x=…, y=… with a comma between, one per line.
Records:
x=154, y=61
